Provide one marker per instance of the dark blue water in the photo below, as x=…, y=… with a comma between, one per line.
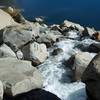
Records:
x=84, y=12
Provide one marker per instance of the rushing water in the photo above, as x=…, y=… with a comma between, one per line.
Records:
x=57, y=77
x=85, y=12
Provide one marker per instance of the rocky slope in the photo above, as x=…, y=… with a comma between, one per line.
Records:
x=25, y=44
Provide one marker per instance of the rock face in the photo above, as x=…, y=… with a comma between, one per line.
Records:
x=16, y=37
x=91, y=77
x=35, y=52
x=37, y=94
x=5, y=20
x=1, y=91
x=18, y=76
x=5, y=51
x=82, y=59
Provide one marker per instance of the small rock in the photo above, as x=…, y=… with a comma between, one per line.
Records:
x=19, y=54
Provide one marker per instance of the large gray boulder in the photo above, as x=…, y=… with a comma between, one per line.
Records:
x=18, y=76
x=35, y=52
x=91, y=77
x=1, y=91
x=82, y=59
x=16, y=36
x=6, y=51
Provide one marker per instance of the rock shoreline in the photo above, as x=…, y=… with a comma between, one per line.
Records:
x=25, y=44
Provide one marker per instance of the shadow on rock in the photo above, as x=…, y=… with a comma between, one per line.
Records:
x=37, y=94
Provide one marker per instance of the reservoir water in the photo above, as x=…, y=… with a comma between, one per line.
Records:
x=84, y=12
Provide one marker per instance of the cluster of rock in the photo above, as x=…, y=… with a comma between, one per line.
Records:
x=24, y=44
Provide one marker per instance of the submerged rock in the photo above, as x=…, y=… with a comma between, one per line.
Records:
x=82, y=59
x=91, y=77
x=18, y=76
x=57, y=51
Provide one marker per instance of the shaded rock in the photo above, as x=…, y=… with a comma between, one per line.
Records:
x=5, y=51
x=5, y=20
x=82, y=59
x=18, y=76
x=16, y=37
x=95, y=48
x=91, y=77
x=37, y=94
x=1, y=91
x=37, y=53
x=57, y=51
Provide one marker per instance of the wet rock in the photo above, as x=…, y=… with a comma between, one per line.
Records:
x=57, y=51
x=37, y=94
x=37, y=53
x=82, y=59
x=1, y=91
x=94, y=48
x=6, y=51
x=91, y=77
x=16, y=37
x=18, y=76
x=5, y=20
